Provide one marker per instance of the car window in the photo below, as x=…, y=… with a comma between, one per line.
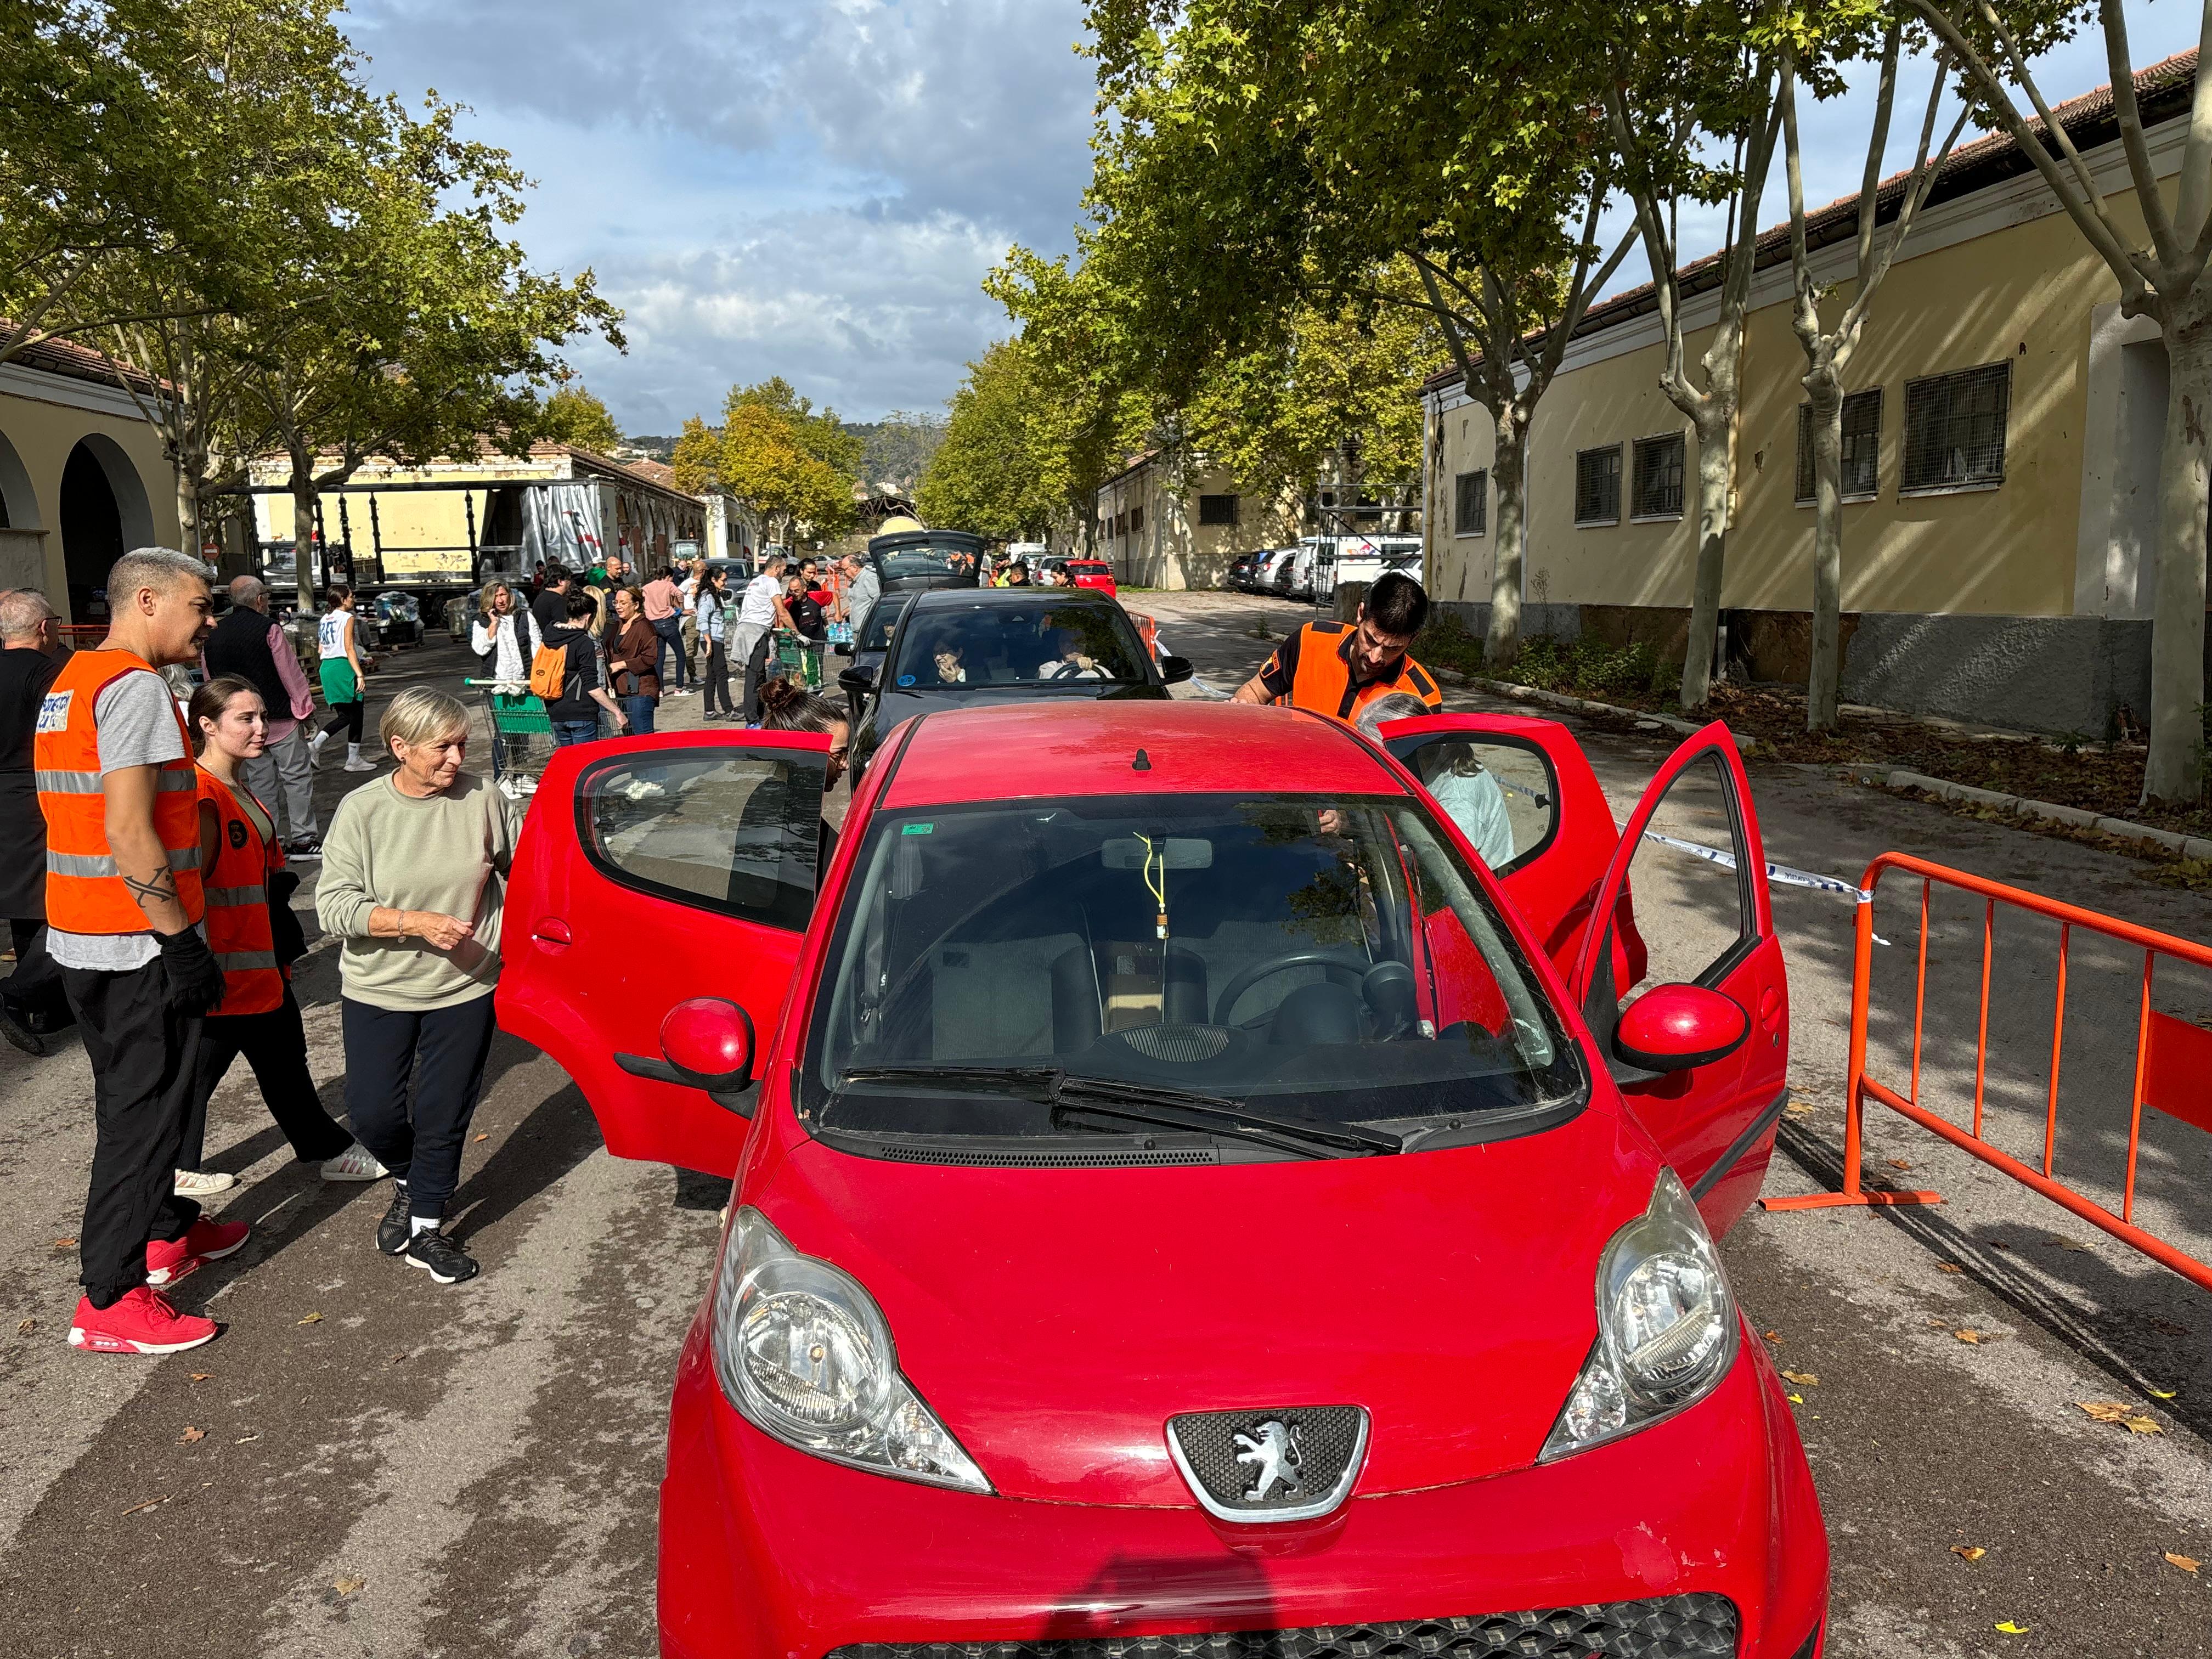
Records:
x=737, y=834
x=1323, y=959
x=925, y=559
x=1688, y=913
x=1500, y=793
x=957, y=647
x=881, y=620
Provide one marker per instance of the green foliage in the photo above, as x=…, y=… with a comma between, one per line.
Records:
x=573, y=415
x=995, y=473
x=786, y=461
x=696, y=457
x=1446, y=643
x=1589, y=667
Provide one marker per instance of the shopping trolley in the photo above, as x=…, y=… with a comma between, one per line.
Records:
x=795, y=658
x=521, y=734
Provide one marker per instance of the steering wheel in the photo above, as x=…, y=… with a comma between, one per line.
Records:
x=1332, y=967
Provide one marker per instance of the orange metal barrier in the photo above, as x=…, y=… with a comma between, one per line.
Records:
x=1149, y=629
x=2172, y=1068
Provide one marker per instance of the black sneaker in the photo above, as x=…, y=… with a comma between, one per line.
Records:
x=392, y=1231
x=303, y=847
x=13, y=1028
x=440, y=1257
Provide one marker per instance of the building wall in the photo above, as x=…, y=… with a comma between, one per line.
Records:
x=43, y=419
x=2052, y=563
x=1174, y=549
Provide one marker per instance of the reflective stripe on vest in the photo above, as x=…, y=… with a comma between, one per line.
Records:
x=237, y=927
x=85, y=891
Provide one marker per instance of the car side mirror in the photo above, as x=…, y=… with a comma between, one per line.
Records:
x=842, y=649
x=1174, y=671
x=708, y=1042
x=1674, y=1028
x=860, y=679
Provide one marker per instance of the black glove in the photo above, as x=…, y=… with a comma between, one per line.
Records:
x=195, y=977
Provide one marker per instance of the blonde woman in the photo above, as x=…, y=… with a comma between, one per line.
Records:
x=414, y=870
x=506, y=637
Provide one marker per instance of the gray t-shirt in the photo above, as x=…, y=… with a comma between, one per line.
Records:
x=137, y=719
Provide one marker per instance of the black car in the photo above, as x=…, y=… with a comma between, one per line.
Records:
x=965, y=648
x=867, y=652
x=916, y=561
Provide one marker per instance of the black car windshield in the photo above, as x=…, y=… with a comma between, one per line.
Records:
x=1315, y=960
x=877, y=635
x=985, y=643
x=925, y=559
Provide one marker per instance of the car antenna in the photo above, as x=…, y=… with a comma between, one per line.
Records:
x=1142, y=764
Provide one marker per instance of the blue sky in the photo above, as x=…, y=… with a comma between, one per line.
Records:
x=815, y=188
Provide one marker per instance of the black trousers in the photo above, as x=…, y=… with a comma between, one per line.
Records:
x=756, y=670
x=718, y=678
x=35, y=989
x=275, y=1044
x=348, y=715
x=421, y=1145
x=143, y=1052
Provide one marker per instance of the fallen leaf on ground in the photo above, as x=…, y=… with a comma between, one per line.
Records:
x=1803, y=1379
x=2163, y=1393
x=2166, y=1326
x=313, y=1319
x=2066, y=1245
x=1999, y=1244
x=24, y=1326
x=2141, y=1425
x=1948, y=1267
x=2107, y=1411
x=1771, y=1336
x=191, y=1434
x=1967, y=1336
x=1795, y=1399
x=484, y=1137
x=202, y=1377
x=2011, y=1629
x=147, y=1505
x=65, y=1244
x=2187, y=1563
x=348, y=1586
x=1968, y=1552
x=1898, y=1164
x=244, y=1438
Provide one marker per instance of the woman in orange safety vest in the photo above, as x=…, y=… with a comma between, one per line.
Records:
x=243, y=875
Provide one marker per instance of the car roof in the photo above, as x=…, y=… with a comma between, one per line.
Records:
x=1014, y=751
x=946, y=599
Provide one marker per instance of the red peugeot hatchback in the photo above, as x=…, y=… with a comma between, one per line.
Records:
x=1203, y=1186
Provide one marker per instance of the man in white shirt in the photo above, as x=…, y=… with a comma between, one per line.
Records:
x=759, y=613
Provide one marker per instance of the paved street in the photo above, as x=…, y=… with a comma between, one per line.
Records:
x=368, y=1464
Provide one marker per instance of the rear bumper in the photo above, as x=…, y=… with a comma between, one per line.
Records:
x=766, y=1553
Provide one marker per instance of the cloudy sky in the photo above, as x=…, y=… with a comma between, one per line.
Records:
x=815, y=188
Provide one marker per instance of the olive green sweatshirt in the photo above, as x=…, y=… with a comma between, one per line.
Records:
x=449, y=854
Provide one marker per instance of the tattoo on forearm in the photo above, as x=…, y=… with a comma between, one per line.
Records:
x=161, y=886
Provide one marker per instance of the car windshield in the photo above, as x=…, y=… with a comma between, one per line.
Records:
x=995, y=643
x=876, y=636
x=1314, y=960
x=925, y=559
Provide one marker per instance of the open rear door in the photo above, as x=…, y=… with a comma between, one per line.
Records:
x=1691, y=857
x=651, y=873
x=1522, y=795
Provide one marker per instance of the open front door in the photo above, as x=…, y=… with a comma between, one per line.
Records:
x=651, y=873
x=1692, y=858
x=1522, y=794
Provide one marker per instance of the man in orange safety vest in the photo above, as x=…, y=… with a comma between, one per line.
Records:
x=1337, y=668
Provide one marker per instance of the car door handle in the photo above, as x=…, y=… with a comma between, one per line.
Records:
x=1770, y=1005
x=552, y=933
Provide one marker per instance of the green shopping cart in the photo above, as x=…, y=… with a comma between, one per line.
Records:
x=521, y=734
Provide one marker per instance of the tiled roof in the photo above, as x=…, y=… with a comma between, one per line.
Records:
x=2162, y=89
x=58, y=355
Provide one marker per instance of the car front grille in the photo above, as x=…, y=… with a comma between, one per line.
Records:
x=1668, y=1627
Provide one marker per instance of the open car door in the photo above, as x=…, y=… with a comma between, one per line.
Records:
x=1691, y=855
x=661, y=894
x=1522, y=792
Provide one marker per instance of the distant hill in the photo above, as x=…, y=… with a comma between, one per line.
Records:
x=659, y=448
x=897, y=448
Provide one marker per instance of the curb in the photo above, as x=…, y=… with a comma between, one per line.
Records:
x=2169, y=841
x=1584, y=706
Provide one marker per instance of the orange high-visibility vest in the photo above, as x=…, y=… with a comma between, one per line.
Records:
x=1323, y=683
x=237, y=929
x=84, y=892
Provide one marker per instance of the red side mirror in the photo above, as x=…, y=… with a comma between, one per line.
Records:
x=710, y=1041
x=1672, y=1028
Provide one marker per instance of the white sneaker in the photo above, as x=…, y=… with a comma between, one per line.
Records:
x=362, y=765
x=198, y=1183
x=356, y=1163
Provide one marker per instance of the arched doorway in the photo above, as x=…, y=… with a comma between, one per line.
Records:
x=23, y=558
x=103, y=512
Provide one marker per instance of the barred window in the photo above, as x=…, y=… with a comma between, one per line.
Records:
x=1471, y=503
x=1658, y=484
x=1217, y=509
x=1862, y=447
x=1121, y=525
x=1597, y=486
x=1954, y=428
x=1137, y=519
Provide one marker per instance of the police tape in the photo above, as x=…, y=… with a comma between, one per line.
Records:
x=1782, y=874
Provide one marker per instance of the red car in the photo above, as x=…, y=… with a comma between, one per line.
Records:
x=1206, y=1189
x=1091, y=573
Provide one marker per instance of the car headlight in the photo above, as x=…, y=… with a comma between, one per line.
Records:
x=804, y=1354
x=1666, y=1326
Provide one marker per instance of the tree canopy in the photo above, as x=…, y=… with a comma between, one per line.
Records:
x=573, y=415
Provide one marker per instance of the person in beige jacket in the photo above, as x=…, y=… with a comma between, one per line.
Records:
x=414, y=869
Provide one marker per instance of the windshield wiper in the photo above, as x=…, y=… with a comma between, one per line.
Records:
x=1075, y=1095
x=1182, y=1109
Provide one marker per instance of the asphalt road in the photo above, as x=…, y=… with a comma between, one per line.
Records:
x=368, y=1464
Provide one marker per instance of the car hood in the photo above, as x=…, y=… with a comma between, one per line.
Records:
x=1056, y=1319
x=901, y=702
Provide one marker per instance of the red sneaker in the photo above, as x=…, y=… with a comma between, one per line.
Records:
x=142, y=1322
x=169, y=1261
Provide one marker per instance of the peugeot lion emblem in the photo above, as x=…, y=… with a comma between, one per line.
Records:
x=1271, y=1451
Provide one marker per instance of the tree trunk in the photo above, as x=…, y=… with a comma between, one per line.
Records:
x=1501, y=644
x=2174, y=772
x=1826, y=390
x=189, y=470
x=1713, y=424
x=303, y=541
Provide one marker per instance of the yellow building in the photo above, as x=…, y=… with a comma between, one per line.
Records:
x=2002, y=440
x=1168, y=522
x=83, y=477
